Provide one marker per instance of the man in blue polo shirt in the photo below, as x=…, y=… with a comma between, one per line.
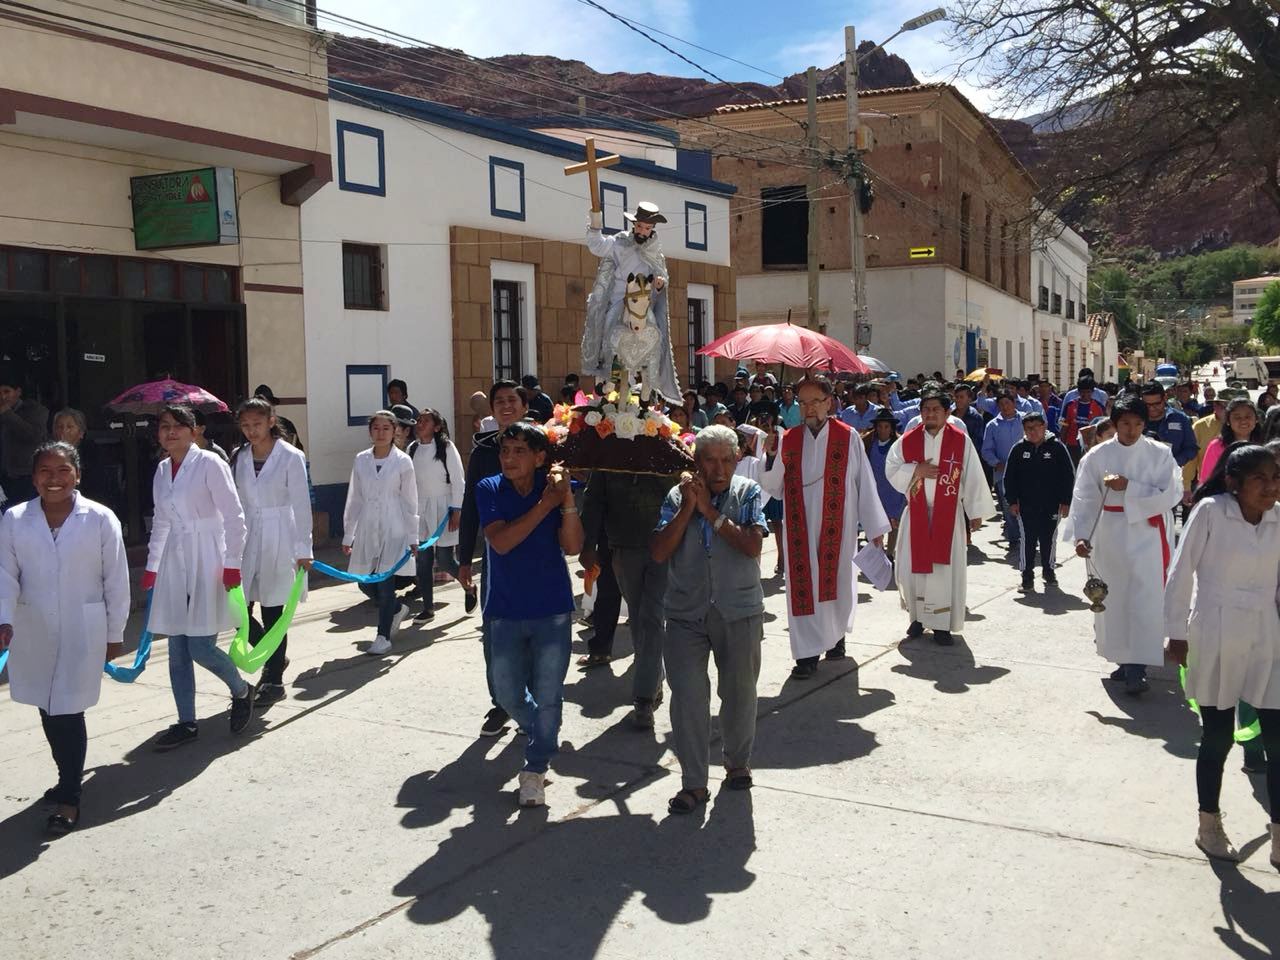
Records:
x=860, y=411
x=998, y=439
x=530, y=522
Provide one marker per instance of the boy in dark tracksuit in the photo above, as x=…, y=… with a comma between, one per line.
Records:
x=1038, y=480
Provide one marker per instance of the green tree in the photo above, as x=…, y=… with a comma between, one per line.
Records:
x=1266, y=317
x=1111, y=291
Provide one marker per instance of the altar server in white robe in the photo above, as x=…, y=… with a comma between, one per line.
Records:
x=271, y=478
x=380, y=522
x=1220, y=616
x=1121, y=518
x=193, y=559
x=64, y=601
x=936, y=466
x=820, y=472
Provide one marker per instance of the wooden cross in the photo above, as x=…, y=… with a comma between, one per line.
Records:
x=592, y=165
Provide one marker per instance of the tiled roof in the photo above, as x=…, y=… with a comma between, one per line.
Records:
x=1263, y=279
x=768, y=104
x=1098, y=325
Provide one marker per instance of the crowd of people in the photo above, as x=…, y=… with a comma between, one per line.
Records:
x=841, y=472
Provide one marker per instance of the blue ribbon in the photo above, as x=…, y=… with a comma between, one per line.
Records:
x=386, y=574
x=130, y=674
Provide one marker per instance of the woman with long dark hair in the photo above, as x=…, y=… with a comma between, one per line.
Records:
x=437, y=468
x=1240, y=424
x=1222, y=623
x=193, y=559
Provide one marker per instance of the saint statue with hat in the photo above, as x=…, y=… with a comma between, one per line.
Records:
x=625, y=256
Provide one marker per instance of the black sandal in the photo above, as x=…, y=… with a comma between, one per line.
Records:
x=59, y=826
x=687, y=801
x=739, y=778
x=594, y=660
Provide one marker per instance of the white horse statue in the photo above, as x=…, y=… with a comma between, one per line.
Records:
x=639, y=346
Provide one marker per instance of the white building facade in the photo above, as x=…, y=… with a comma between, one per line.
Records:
x=449, y=252
x=1062, y=336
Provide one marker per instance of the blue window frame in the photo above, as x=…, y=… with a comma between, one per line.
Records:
x=345, y=129
x=609, y=193
x=498, y=208
x=361, y=372
x=695, y=225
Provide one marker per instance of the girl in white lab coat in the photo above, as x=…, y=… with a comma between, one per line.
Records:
x=271, y=479
x=1228, y=637
x=380, y=521
x=64, y=600
x=197, y=540
x=441, y=480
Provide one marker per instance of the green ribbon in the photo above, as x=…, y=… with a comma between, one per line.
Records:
x=1243, y=735
x=251, y=659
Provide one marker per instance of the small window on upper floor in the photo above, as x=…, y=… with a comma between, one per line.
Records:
x=364, y=276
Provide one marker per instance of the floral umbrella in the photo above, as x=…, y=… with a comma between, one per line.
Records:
x=149, y=398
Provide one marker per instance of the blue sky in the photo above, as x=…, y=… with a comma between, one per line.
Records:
x=778, y=38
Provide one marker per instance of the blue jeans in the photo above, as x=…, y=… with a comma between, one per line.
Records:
x=384, y=592
x=529, y=661
x=184, y=652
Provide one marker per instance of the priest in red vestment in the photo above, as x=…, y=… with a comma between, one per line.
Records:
x=821, y=474
x=936, y=466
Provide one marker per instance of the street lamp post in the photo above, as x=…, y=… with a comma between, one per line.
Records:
x=854, y=171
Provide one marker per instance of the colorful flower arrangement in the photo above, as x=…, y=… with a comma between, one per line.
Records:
x=608, y=417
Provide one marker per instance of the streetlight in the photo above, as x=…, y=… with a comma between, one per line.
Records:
x=857, y=238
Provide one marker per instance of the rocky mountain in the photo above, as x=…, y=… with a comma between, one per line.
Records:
x=523, y=85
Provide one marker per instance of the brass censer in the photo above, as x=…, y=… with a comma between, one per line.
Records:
x=1095, y=591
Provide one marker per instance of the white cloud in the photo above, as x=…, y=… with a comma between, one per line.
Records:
x=562, y=28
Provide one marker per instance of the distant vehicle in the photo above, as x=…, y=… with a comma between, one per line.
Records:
x=1257, y=371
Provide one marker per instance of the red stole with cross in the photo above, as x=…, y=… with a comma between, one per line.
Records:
x=799, y=576
x=931, y=540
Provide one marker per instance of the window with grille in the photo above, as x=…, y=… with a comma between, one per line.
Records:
x=1044, y=358
x=1057, y=361
x=506, y=330
x=965, y=204
x=986, y=248
x=697, y=340
x=1042, y=302
x=1057, y=303
x=1071, y=310
x=1071, y=358
x=1004, y=254
x=784, y=225
x=362, y=287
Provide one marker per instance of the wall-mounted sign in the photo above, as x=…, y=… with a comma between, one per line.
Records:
x=192, y=208
x=923, y=253
x=96, y=357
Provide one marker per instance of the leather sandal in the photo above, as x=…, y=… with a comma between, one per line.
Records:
x=687, y=801
x=739, y=778
x=594, y=660
x=59, y=826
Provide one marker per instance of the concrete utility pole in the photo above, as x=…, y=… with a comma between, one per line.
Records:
x=811, y=77
x=857, y=232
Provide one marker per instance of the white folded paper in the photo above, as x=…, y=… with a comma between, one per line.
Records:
x=875, y=566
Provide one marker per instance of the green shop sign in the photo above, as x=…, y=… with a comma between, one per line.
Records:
x=194, y=208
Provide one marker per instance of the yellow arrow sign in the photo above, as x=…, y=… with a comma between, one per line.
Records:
x=923, y=253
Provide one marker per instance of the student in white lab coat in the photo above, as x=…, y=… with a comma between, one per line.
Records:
x=1229, y=635
x=380, y=522
x=271, y=479
x=64, y=600
x=441, y=480
x=197, y=541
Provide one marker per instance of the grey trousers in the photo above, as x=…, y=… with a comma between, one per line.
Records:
x=736, y=649
x=644, y=586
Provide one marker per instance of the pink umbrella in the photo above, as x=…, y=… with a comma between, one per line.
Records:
x=784, y=343
x=148, y=398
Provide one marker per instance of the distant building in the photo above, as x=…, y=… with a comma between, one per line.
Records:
x=1060, y=281
x=1245, y=295
x=949, y=237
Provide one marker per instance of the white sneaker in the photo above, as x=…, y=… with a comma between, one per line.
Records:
x=532, y=789
x=380, y=646
x=396, y=620
x=1212, y=839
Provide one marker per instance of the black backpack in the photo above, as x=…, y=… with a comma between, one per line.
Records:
x=413, y=448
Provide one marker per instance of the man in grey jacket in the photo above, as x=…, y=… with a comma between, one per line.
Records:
x=710, y=531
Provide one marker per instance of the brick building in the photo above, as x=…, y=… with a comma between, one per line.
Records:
x=943, y=179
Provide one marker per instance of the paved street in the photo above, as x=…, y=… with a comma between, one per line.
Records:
x=994, y=799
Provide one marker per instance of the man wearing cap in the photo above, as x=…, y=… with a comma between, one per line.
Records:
x=634, y=252
x=763, y=378
x=940, y=472
x=540, y=405
x=1038, y=479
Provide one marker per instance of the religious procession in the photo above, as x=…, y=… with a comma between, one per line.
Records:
x=605, y=571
